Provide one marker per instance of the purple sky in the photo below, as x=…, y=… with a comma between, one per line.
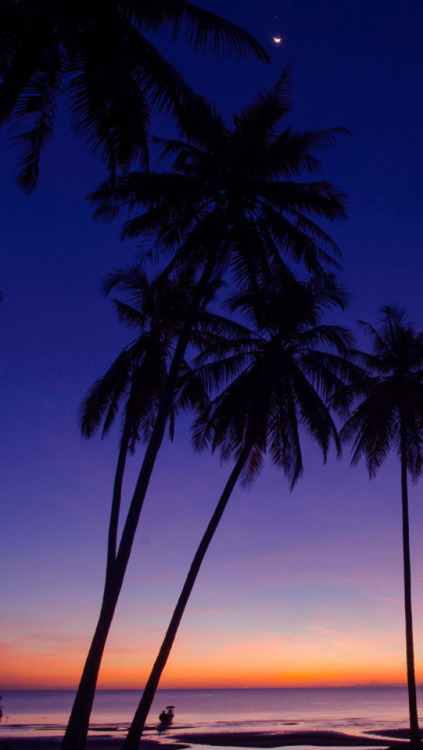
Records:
x=298, y=588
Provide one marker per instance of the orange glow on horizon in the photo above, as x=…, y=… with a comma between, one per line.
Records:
x=253, y=668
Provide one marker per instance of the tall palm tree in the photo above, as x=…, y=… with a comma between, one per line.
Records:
x=243, y=225
x=96, y=53
x=281, y=375
x=136, y=381
x=388, y=417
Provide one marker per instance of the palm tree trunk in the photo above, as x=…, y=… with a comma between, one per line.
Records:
x=76, y=731
x=140, y=716
x=116, y=501
x=411, y=677
x=80, y=715
x=92, y=665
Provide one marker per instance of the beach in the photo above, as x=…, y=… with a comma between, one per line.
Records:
x=262, y=718
x=225, y=739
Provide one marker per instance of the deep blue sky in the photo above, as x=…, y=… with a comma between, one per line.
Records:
x=315, y=573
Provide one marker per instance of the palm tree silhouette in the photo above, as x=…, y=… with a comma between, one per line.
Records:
x=390, y=417
x=226, y=231
x=97, y=54
x=135, y=383
x=281, y=375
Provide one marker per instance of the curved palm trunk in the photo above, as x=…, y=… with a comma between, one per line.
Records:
x=116, y=501
x=92, y=665
x=140, y=716
x=77, y=728
x=411, y=677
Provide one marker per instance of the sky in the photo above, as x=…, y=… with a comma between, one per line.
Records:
x=298, y=589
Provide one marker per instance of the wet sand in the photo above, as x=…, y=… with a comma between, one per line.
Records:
x=222, y=739
x=282, y=739
x=93, y=743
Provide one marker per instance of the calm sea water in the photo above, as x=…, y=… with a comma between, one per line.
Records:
x=353, y=710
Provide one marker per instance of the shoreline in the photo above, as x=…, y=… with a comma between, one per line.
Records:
x=225, y=739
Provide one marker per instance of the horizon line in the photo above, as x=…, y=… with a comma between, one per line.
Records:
x=357, y=686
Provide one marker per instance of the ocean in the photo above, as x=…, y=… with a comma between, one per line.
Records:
x=353, y=710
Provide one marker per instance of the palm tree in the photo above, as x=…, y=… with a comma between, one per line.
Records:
x=136, y=381
x=231, y=220
x=98, y=56
x=390, y=416
x=281, y=375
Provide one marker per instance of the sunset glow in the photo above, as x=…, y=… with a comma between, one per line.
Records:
x=298, y=589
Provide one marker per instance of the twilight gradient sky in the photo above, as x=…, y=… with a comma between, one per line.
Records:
x=298, y=589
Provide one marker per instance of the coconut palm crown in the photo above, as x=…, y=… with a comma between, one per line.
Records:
x=98, y=55
x=242, y=189
x=390, y=414
x=155, y=309
x=280, y=378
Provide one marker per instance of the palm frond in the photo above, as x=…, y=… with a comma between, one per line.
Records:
x=104, y=397
x=191, y=394
x=22, y=55
x=260, y=119
x=197, y=26
x=36, y=109
x=107, y=107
